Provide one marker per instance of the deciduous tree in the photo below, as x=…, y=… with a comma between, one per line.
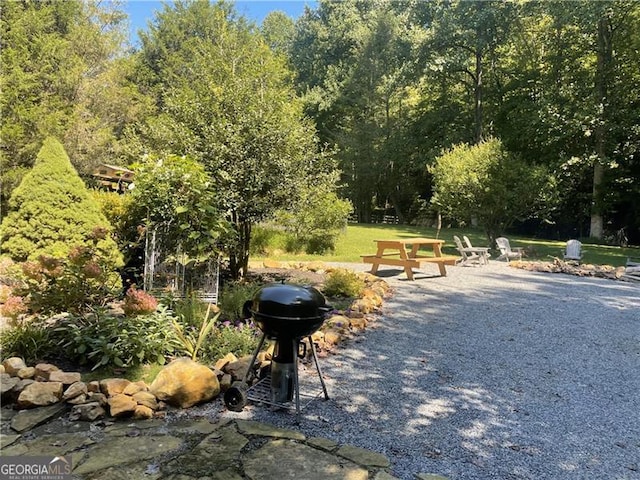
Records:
x=486, y=182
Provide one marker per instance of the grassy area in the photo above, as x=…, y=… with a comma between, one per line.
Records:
x=358, y=239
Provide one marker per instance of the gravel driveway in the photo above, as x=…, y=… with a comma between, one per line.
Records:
x=490, y=373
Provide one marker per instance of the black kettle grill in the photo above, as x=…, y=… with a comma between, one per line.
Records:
x=286, y=314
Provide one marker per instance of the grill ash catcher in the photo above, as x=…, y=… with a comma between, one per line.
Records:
x=286, y=314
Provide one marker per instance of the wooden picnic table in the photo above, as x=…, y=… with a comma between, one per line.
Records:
x=395, y=252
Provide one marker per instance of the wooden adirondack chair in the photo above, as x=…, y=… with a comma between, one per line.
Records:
x=506, y=253
x=573, y=251
x=482, y=251
x=467, y=255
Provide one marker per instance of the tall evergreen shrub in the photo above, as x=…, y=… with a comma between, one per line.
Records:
x=51, y=212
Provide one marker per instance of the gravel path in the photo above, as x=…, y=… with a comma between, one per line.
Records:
x=490, y=373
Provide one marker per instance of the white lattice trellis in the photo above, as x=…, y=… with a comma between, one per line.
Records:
x=175, y=273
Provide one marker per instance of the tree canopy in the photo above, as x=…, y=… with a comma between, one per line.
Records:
x=487, y=184
x=233, y=109
x=388, y=86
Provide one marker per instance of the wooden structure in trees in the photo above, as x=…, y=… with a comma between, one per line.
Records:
x=112, y=177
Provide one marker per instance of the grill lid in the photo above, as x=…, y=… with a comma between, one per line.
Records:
x=288, y=311
x=290, y=302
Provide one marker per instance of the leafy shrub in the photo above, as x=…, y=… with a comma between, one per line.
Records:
x=190, y=309
x=487, y=182
x=9, y=272
x=232, y=300
x=29, y=339
x=103, y=339
x=77, y=283
x=5, y=292
x=315, y=221
x=240, y=339
x=261, y=238
x=321, y=244
x=192, y=337
x=176, y=194
x=138, y=302
x=120, y=212
x=343, y=283
x=13, y=307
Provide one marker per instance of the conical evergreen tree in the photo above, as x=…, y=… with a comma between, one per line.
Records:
x=51, y=212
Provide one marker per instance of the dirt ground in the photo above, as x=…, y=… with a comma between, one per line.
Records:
x=288, y=275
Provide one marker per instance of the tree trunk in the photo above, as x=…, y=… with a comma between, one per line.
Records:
x=478, y=90
x=604, y=59
x=478, y=108
x=239, y=253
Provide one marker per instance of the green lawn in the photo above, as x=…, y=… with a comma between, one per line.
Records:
x=358, y=239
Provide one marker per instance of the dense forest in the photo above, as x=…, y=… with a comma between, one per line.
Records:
x=380, y=87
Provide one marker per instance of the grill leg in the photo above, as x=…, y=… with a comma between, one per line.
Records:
x=315, y=360
x=296, y=383
x=253, y=359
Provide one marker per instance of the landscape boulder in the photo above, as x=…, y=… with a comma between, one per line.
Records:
x=76, y=389
x=113, y=386
x=40, y=394
x=66, y=378
x=13, y=365
x=121, y=405
x=43, y=370
x=184, y=383
x=87, y=412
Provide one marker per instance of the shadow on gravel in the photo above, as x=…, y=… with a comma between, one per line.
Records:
x=493, y=373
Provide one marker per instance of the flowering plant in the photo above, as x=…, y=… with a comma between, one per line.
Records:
x=138, y=302
x=76, y=283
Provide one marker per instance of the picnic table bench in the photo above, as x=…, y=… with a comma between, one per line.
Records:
x=409, y=259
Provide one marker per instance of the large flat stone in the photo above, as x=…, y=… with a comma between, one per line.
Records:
x=28, y=419
x=6, y=440
x=58, y=444
x=116, y=451
x=201, y=425
x=284, y=459
x=249, y=427
x=363, y=457
x=139, y=471
x=217, y=451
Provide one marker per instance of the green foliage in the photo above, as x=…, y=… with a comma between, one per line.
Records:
x=233, y=110
x=28, y=339
x=175, y=194
x=190, y=310
x=316, y=220
x=190, y=339
x=343, y=283
x=61, y=75
x=240, y=339
x=79, y=282
x=233, y=297
x=278, y=30
x=489, y=184
x=355, y=64
x=262, y=237
x=120, y=212
x=201, y=335
x=52, y=212
x=102, y=339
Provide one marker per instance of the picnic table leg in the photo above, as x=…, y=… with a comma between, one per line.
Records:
x=438, y=253
x=379, y=255
x=407, y=268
